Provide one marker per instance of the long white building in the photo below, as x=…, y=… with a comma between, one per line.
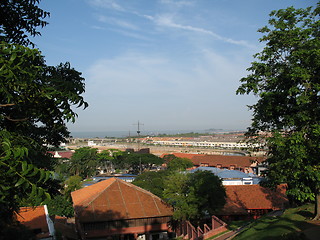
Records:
x=225, y=145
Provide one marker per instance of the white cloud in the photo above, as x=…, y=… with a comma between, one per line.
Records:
x=167, y=21
x=163, y=19
x=109, y=4
x=97, y=27
x=118, y=22
x=177, y=3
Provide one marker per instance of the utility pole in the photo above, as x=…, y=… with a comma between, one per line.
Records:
x=138, y=132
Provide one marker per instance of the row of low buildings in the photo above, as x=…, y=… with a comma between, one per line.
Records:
x=112, y=208
x=246, y=164
x=206, y=144
x=233, y=170
x=115, y=209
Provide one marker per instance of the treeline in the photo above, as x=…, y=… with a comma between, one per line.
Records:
x=194, y=196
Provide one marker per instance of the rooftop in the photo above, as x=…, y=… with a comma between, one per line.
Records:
x=115, y=199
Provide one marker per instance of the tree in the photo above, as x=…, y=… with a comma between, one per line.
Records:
x=60, y=206
x=35, y=102
x=71, y=184
x=286, y=78
x=108, y=158
x=194, y=196
x=138, y=162
x=18, y=19
x=179, y=164
x=84, y=162
x=152, y=181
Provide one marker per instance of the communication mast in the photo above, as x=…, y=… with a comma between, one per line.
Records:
x=138, y=132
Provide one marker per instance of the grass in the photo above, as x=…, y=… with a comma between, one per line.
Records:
x=288, y=226
x=237, y=224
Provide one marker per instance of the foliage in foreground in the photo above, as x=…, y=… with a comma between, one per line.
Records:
x=35, y=103
x=286, y=78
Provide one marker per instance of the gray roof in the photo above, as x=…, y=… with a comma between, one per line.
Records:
x=223, y=173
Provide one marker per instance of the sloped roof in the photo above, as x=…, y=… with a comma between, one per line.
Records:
x=114, y=199
x=223, y=173
x=63, y=154
x=241, y=198
x=226, y=173
x=34, y=218
x=224, y=160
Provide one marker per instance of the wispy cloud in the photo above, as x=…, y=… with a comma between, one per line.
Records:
x=132, y=34
x=109, y=4
x=166, y=21
x=115, y=21
x=177, y=3
x=97, y=27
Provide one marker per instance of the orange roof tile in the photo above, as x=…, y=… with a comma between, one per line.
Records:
x=114, y=199
x=214, y=160
x=33, y=217
x=243, y=197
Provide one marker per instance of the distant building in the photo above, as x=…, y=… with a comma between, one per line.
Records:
x=91, y=143
x=231, y=177
x=252, y=201
x=124, y=177
x=119, y=210
x=206, y=144
x=244, y=164
x=62, y=154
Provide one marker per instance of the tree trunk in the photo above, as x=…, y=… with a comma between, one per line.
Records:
x=317, y=206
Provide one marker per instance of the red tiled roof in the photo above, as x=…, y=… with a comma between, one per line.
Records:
x=33, y=217
x=241, y=198
x=224, y=160
x=114, y=199
x=63, y=154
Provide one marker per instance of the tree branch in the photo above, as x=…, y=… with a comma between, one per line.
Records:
x=7, y=105
x=15, y=120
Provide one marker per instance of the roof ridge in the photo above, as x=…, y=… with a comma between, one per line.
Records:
x=104, y=189
x=141, y=189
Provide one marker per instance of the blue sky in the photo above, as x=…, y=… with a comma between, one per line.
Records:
x=171, y=64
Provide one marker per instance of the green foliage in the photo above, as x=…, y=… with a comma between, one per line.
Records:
x=286, y=78
x=36, y=99
x=84, y=162
x=179, y=164
x=176, y=194
x=60, y=206
x=194, y=195
x=35, y=103
x=152, y=181
x=20, y=19
x=137, y=162
x=109, y=159
x=61, y=170
x=18, y=177
x=209, y=192
x=71, y=184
